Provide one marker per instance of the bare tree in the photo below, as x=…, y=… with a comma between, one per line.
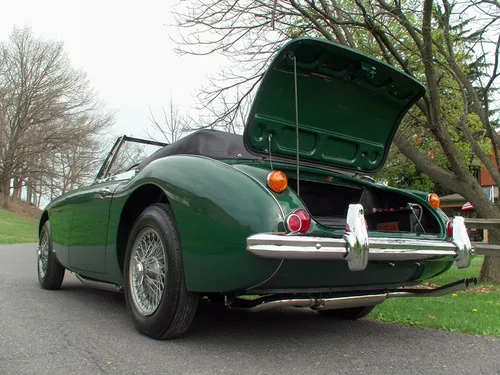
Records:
x=442, y=43
x=173, y=125
x=73, y=166
x=45, y=105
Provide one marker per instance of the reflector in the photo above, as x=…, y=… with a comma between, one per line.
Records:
x=298, y=221
x=293, y=223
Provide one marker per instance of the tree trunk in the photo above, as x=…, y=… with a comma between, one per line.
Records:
x=490, y=270
x=5, y=194
x=29, y=191
x=17, y=187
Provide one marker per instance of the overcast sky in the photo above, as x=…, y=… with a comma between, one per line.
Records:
x=125, y=49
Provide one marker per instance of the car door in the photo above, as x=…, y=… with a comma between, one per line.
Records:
x=60, y=218
x=90, y=226
x=90, y=223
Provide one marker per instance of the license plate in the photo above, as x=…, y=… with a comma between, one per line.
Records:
x=388, y=227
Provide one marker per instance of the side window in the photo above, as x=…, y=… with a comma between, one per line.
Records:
x=129, y=154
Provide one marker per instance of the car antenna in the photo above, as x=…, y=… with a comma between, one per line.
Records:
x=270, y=154
x=294, y=58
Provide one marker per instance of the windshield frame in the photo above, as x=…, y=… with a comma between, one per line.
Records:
x=111, y=157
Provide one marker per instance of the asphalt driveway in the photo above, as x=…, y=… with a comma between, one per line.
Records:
x=81, y=330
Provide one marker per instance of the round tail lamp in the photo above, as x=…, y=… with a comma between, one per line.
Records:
x=434, y=200
x=299, y=221
x=277, y=181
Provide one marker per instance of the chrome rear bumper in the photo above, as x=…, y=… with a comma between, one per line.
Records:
x=357, y=248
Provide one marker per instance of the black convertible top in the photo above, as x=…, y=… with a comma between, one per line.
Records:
x=214, y=144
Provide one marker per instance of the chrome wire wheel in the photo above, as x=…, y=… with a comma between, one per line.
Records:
x=43, y=255
x=147, y=268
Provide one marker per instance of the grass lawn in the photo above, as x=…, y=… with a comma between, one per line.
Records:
x=17, y=228
x=475, y=311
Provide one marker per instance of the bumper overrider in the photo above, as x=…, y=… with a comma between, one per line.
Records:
x=356, y=248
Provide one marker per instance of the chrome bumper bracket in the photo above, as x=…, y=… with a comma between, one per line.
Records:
x=356, y=238
x=462, y=242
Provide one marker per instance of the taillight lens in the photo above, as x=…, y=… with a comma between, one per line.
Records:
x=277, y=181
x=434, y=200
x=293, y=223
x=449, y=229
x=298, y=221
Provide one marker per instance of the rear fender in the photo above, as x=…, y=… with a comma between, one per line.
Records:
x=216, y=208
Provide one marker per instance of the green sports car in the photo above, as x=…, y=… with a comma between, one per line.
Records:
x=223, y=217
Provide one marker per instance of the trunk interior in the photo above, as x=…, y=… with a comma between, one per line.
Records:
x=384, y=211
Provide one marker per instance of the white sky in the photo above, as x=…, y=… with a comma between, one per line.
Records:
x=125, y=49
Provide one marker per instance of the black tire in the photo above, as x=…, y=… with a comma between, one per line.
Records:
x=177, y=306
x=352, y=313
x=52, y=276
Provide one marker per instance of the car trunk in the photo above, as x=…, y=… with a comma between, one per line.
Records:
x=331, y=105
x=385, y=210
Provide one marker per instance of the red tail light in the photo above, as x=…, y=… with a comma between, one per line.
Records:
x=298, y=221
x=449, y=229
x=293, y=223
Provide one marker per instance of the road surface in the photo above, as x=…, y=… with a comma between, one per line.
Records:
x=83, y=330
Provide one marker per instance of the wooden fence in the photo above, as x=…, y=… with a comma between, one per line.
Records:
x=483, y=248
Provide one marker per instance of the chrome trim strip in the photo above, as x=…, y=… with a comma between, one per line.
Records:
x=317, y=243
x=274, y=246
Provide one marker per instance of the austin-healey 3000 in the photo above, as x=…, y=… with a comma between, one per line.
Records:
x=287, y=212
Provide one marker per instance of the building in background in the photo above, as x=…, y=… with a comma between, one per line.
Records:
x=456, y=205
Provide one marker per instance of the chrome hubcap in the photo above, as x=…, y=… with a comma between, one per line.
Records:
x=43, y=255
x=147, y=271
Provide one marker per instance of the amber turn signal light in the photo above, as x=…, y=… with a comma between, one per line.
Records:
x=434, y=200
x=277, y=181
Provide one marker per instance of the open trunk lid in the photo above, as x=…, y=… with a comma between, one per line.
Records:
x=349, y=107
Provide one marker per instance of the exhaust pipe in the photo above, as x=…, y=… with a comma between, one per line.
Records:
x=99, y=284
x=345, y=302
x=436, y=292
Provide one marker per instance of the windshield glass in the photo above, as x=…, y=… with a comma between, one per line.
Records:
x=127, y=153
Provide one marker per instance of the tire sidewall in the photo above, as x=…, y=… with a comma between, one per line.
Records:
x=45, y=231
x=160, y=219
x=54, y=273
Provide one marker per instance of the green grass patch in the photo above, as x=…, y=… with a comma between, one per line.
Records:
x=475, y=311
x=16, y=228
x=454, y=274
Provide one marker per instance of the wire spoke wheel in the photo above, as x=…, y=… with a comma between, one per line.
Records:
x=50, y=271
x=157, y=299
x=43, y=255
x=148, y=269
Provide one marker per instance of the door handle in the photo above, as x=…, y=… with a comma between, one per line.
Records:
x=104, y=192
